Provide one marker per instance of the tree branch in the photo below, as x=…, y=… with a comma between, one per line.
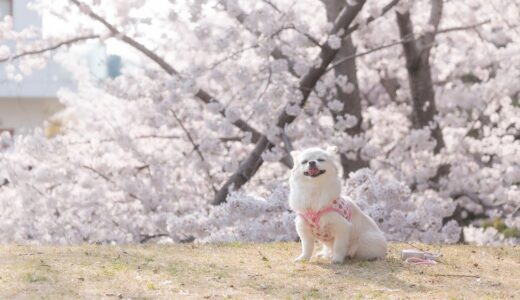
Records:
x=106, y=178
x=195, y=147
x=231, y=139
x=50, y=48
x=391, y=44
x=435, y=19
x=460, y=28
x=276, y=53
x=350, y=57
x=251, y=164
x=201, y=94
x=371, y=19
x=139, y=137
x=99, y=173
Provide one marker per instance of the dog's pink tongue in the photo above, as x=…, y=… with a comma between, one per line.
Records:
x=313, y=171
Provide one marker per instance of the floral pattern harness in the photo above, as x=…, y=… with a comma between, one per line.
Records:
x=312, y=218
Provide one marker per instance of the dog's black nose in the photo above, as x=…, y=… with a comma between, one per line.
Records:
x=312, y=163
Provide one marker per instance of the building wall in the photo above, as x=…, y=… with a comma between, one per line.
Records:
x=26, y=113
x=29, y=102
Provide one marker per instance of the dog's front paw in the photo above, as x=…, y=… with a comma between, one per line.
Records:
x=324, y=254
x=337, y=259
x=302, y=258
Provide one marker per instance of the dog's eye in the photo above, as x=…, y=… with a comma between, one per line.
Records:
x=304, y=162
x=321, y=160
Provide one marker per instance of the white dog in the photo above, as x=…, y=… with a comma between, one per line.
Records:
x=339, y=224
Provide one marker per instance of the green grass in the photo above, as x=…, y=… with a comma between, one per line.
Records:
x=245, y=271
x=34, y=277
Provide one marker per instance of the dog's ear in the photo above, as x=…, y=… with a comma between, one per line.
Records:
x=332, y=149
x=294, y=154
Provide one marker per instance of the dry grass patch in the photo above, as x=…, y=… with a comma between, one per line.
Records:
x=251, y=271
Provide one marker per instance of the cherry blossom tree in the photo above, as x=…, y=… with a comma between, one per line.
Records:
x=192, y=144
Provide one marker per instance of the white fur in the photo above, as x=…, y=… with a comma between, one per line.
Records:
x=358, y=238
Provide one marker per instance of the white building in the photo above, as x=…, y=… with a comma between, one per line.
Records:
x=28, y=103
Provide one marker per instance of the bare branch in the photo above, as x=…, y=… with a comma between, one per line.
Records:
x=231, y=139
x=459, y=28
x=139, y=137
x=391, y=44
x=272, y=5
x=371, y=19
x=267, y=84
x=250, y=47
x=195, y=147
x=50, y=48
x=106, y=178
x=350, y=57
x=98, y=173
x=233, y=55
x=276, y=53
x=241, y=124
x=308, y=36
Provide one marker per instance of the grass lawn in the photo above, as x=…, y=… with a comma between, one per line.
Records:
x=251, y=271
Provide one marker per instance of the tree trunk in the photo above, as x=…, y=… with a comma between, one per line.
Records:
x=417, y=55
x=352, y=101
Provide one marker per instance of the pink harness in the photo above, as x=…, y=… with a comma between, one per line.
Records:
x=312, y=218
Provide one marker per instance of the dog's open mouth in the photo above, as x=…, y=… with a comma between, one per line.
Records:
x=313, y=172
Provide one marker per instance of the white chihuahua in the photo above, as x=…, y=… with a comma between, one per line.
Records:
x=339, y=224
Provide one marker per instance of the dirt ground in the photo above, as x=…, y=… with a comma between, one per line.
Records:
x=251, y=271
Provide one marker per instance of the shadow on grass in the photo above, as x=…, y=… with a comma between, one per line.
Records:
x=383, y=274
